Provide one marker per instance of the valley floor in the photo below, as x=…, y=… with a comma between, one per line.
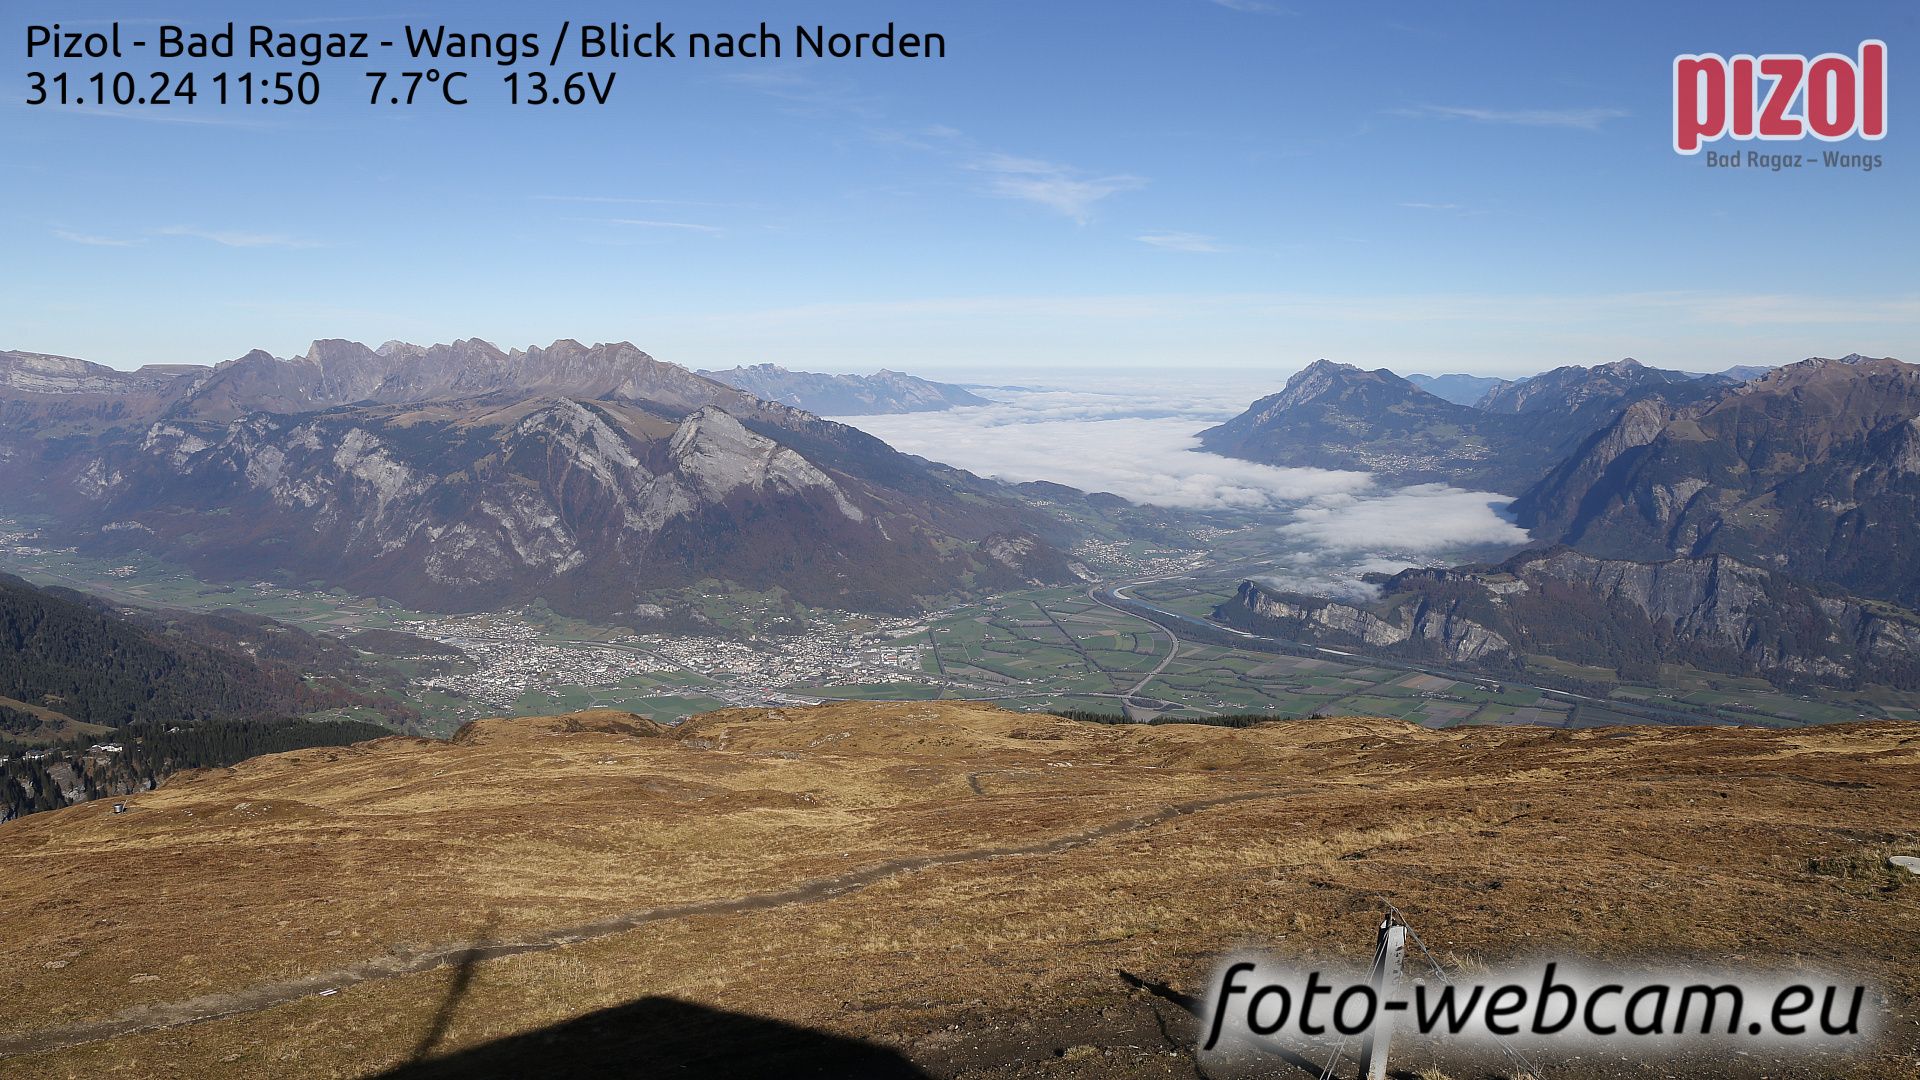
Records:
x=1038, y=648
x=924, y=888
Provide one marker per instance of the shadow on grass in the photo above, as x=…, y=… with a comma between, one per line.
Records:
x=1196, y=1008
x=659, y=1036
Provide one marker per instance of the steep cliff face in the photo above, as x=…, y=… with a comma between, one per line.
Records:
x=42, y=373
x=44, y=396
x=1813, y=470
x=1716, y=613
x=1422, y=627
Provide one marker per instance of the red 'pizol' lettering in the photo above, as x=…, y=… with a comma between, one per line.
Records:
x=1785, y=71
x=1779, y=96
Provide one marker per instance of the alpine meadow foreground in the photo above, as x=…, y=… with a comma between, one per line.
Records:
x=922, y=889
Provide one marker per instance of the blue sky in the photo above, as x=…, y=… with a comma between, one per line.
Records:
x=1204, y=183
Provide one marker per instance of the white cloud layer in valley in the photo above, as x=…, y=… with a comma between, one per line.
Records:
x=1135, y=436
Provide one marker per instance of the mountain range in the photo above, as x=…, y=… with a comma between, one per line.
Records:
x=845, y=395
x=1765, y=527
x=1459, y=389
x=461, y=476
x=1336, y=416
x=1813, y=470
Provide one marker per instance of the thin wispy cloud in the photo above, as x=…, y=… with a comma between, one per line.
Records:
x=808, y=94
x=1253, y=7
x=1190, y=243
x=1580, y=119
x=1453, y=208
x=91, y=240
x=224, y=237
x=234, y=238
x=682, y=226
x=1056, y=187
x=625, y=200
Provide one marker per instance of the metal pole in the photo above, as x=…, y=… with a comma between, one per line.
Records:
x=1389, y=956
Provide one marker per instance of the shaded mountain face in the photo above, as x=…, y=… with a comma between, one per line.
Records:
x=1459, y=389
x=459, y=477
x=1715, y=613
x=1813, y=470
x=76, y=656
x=163, y=691
x=1336, y=416
x=845, y=395
x=1340, y=417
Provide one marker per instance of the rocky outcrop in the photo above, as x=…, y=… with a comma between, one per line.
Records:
x=1429, y=628
x=41, y=373
x=1716, y=613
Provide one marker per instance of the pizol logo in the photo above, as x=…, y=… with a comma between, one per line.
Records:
x=1779, y=97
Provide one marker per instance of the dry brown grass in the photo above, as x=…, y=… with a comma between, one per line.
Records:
x=1614, y=846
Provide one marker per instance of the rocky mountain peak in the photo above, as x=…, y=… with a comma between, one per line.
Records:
x=332, y=351
x=1319, y=379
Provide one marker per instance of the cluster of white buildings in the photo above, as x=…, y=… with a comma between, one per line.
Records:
x=1118, y=559
x=17, y=542
x=820, y=657
x=509, y=658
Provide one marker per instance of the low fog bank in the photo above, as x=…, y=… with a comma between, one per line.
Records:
x=1136, y=436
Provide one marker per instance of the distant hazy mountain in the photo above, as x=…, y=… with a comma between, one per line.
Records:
x=1716, y=613
x=1339, y=417
x=1459, y=389
x=845, y=395
x=1813, y=469
x=1573, y=393
x=1749, y=372
x=463, y=476
x=45, y=374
